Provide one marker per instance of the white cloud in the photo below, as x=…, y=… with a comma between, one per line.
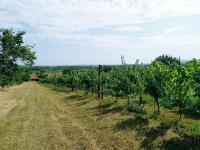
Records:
x=163, y=41
x=173, y=29
x=129, y=28
x=58, y=19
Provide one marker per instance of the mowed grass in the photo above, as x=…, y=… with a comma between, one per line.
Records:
x=33, y=116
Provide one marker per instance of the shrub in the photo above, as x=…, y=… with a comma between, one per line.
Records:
x=106, y=102
x=121, y=105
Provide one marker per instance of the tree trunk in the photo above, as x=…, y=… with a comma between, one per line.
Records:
x=157, y=103
x=140, y=100
x=102, y=91
x=180, y=113
x=98, y=91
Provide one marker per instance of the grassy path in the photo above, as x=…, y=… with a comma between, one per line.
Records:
x=34, y=117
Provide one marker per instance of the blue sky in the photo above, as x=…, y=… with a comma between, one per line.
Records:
x=74, y=32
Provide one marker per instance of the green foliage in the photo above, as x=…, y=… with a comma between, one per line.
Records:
x=121, y=105
x=106, y=102
x=179, y=88
x=12, y=51
x=68, y=70
x=119, y=83
x=21, y=75
x=140, y=81
x=89, y=79
x=167, y=60
x=156, y=81
x=165, y=82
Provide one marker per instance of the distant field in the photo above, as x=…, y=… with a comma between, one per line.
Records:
x=33, y=116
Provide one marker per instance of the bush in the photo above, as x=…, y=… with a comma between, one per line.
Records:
x=131, y=106
x=196, y=107
x=167, y=102
x=121, y=105
x=106, y=103
x=147, y=99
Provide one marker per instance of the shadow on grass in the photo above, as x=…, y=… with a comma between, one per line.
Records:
x=195, y=116
x=105, y=111
x=59, y=89
x=79, y=100
x=101, y=111
x=104, y=106
x=83, y=102
x=151, y=134
x=55, y=88
x=77, y=97
x=131, y=123
x=188, y=114
x=182, y=143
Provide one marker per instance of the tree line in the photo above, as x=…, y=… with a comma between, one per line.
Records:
x=13, y=54
x=167, y=80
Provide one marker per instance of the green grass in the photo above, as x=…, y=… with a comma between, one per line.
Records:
x=33, y=116
x=106, y=102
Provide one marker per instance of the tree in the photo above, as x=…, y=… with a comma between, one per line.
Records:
x=115, y=80
x=194, y=67
x=12, y=51
x=68, y=70
x=88, y=79
x=140, y=82
x=22, y=74
x=121, y=80
x=167, y=60
x=70, y=80
x=126, y=83
x=104, y=79
x=156, y=82
x=180, y=86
